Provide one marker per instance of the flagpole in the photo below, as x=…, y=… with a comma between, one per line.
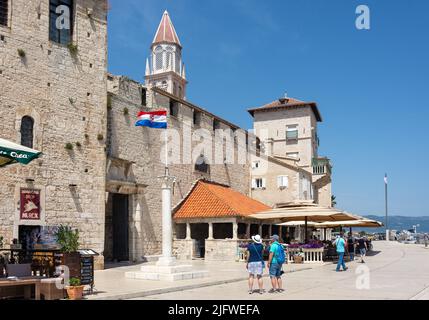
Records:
x=386, y=207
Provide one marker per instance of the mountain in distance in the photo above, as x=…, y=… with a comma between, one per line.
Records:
x=399, y=223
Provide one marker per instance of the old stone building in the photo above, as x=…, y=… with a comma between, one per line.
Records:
x=290, y=169
x=99, y=172
x=136, y=155
x=53, y=98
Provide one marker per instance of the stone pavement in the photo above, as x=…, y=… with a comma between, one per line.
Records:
x=396, y=271
x=112, y=284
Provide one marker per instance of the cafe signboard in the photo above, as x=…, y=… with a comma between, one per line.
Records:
x=30, y=204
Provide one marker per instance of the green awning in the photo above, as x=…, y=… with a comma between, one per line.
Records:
x=11, y=153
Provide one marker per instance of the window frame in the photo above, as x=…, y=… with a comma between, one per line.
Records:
x=282, y=185
x=292, y=128
x=23, y=135
x=174, y=108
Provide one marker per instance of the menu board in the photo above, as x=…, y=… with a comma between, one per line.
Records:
x=87, y=270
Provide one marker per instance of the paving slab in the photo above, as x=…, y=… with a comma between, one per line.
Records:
x=111, y=284
x=392, y=271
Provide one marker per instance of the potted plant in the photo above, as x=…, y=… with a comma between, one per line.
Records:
x=68, y=240
x=75, y=289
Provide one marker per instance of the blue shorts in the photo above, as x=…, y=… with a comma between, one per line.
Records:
x=362, y=252
x=275, y=270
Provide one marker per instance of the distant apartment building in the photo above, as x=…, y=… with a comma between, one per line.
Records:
x=289, y=168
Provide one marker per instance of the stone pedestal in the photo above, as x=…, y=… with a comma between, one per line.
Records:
x=167, y=273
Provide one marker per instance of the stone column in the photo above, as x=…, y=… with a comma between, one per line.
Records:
x=167, y=258
x=235, y=230
x=260, y=230
x=248, y=231
x=188, y=231
x=281, y=232
x=210, y=231
x=270, y=230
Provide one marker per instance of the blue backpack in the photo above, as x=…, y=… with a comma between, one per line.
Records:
x=280, y=254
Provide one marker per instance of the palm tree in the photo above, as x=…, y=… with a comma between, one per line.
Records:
x=333, y=201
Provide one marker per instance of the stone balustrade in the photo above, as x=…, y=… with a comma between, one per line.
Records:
x=310, y=255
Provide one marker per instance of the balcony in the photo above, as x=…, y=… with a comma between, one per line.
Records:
x=321, y=166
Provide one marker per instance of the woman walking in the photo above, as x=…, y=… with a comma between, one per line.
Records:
x=255, y=263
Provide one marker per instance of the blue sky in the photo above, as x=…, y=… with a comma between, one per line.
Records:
x=371, y=86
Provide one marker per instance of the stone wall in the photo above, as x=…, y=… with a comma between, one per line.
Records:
x=142, y=148
x=66, y=97
x=221, y=250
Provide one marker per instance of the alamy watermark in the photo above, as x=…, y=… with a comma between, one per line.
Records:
x=363, y=20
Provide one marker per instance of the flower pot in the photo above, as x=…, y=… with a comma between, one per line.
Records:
x=75, y=293
x=298, y=259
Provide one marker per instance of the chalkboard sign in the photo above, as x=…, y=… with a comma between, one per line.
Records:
x=87, y=270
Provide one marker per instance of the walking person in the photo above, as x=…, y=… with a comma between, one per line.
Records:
x=351, y=246
x=275, y=263
x=362, y=248
x=255, y=263
x=426, y=239
x=340, y=244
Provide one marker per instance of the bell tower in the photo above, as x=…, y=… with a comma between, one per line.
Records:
x=164, y=67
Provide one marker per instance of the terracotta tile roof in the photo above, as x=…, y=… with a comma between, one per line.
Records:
x=286, y=103
x=166, y=32
x=211, y=200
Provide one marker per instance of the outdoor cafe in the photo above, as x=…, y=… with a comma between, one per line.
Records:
x=46, y=262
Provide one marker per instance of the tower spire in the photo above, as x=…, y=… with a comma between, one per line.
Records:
x=166, y=33
x=147, y=73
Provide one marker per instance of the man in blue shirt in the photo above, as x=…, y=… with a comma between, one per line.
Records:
x=274, y=266
x=340, y=243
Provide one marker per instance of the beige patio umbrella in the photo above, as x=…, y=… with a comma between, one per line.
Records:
x=298, y=223
x=304, y=212
x=364, y=223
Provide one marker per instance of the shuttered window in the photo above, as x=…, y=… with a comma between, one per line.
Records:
x=282, y=182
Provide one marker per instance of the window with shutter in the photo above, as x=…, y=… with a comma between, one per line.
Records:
x=282, y=182
x=292, y=132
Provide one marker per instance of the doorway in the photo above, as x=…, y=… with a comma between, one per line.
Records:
x=120, y=227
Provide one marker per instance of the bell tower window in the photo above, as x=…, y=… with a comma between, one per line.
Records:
x=158, y=58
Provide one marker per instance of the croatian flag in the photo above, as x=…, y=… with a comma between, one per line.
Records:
x=155, y=119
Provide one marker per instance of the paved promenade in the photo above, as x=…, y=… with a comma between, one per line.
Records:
x=396, y=271
x=112, y=284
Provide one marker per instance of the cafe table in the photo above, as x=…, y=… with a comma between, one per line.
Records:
x=26, y=283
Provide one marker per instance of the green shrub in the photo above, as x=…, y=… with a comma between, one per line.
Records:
x=74, y=282
x=69, y=146
x=126, y=111
x=100, y=137
x=72, y=48
x=68, y=239
x=21, y=53
x=78, y=144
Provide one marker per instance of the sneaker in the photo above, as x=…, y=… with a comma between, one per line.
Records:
x=261, y=291
x=250, y=291
x=280, y=290
x=272, y=291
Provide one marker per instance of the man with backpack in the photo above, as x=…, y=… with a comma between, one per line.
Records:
x=340, y=244
x=275, y=264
